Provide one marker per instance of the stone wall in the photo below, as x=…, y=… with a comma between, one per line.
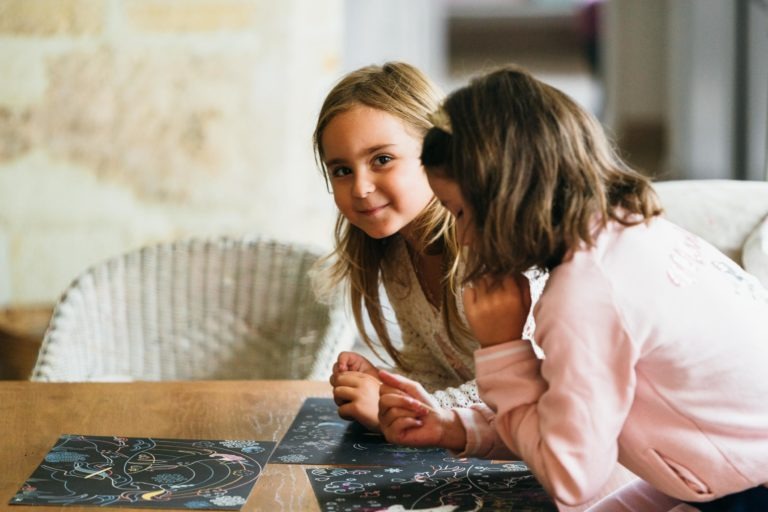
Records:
x=125, y=122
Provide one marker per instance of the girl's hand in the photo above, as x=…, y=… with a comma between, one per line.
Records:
x=497, y=312
x=357, y=395
x=409, y=416
x=352, y=362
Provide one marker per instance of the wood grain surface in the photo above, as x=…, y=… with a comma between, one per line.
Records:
x=33, y=415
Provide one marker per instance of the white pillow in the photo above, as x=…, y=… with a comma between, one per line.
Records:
x=755, y=252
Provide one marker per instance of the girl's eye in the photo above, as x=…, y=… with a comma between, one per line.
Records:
x=339, y=172
x=383, y=159
x=459, y=214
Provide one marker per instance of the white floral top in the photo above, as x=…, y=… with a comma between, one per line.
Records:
x=442, y=368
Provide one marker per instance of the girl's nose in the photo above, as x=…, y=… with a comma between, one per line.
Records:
x=363, y=185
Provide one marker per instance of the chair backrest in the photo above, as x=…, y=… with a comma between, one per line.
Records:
x=195, y=309
x=722, y=212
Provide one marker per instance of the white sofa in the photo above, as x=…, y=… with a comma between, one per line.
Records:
x=732, y=215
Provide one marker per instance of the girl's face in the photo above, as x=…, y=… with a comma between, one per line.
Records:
x=375, y=171
x=449, y=194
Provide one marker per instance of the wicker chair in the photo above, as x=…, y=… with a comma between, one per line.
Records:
x=196, y=309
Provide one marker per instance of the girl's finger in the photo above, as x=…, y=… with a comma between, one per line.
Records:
x=402, y=402
x=398, y=431
x=344, y=394
x=389, y=390
x=346, y=360
x=352, y=378
x=410, y=387
x=389, y=417
x=340, y=401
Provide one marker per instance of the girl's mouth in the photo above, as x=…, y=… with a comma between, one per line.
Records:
x=373, y=211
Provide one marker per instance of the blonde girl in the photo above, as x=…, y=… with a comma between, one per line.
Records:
x=392, y=232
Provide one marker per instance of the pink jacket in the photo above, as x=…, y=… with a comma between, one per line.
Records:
x=656, y=355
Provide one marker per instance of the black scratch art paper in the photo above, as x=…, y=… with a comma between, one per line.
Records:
x=318, y=436
x=146, y=472
x=450, y=487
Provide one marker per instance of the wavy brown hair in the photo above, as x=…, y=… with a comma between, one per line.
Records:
x=358, y=260
x=536, y=170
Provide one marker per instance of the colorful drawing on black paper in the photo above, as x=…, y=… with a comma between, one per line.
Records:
x=146, y=472
x=318, y=436
x=454, y=487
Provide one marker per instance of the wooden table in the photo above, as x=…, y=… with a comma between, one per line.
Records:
x=33, y=415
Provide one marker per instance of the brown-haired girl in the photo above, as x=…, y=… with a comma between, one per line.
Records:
x=655, y=343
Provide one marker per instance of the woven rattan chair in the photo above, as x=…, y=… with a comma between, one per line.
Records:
x=196, y=309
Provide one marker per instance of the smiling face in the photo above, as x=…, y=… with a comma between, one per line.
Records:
x=449, y=194
x=375, y=172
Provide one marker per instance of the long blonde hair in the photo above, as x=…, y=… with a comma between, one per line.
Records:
x=358, y=260
x=536, y=170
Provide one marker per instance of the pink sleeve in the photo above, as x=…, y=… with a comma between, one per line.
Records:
x=484, y=442
x=563, y=414
x=482, y=439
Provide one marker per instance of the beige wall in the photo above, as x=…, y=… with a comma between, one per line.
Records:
x=124, y=122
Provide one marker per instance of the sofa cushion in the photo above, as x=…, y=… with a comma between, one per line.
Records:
x=755, y=252
x=722, y=212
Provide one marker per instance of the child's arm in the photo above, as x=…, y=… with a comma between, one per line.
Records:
x=473, y=429
x=562, y=414
x=408, y=416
